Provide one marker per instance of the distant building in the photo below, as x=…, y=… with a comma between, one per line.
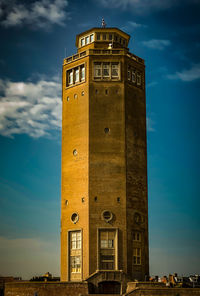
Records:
x=104, y=209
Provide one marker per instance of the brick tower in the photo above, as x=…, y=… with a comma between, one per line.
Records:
x=104, y=207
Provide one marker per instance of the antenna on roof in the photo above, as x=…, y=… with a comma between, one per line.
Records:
x=103, y=24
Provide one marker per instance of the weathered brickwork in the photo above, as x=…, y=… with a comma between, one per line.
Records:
x=45, y=289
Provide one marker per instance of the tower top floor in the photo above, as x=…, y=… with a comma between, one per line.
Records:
x=102, y=38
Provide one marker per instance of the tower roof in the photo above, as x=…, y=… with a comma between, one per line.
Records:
x=104, y=30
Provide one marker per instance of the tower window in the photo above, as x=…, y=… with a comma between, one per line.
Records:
x=97, y=69
x=75, y=245
x=82, y=93
x=118, y=199
x=92, y=38
x=75, y=264
x=115, y=70
x=82, y=41
x=110, y=36
x=137, y=256
x=76, y=75
x=75, y=152
x=139, y=79
x=70, y=77
x=104, y=36
x=107, y=216
x=75, y=240
x=133, y=76
x=82, y=73
x=106, y=70
x=87, y=40
x=74, y=218
x=106, y=130
x=129, y=75
x=136, y=236
x=107, y=241
x=98, y=36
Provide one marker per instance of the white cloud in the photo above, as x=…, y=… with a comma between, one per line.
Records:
x=187, y=75
x=159, y=44
x=30, y=108
x=130, y=26
x=28, y=257
x=39, y=14
x=144, y=6
x=150, y=125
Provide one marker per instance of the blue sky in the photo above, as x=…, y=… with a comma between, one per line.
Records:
x=34, y=38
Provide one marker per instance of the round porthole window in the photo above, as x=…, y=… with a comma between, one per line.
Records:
x=68, y=99
x=75, y=152
x=107, y=215
x=74, y=218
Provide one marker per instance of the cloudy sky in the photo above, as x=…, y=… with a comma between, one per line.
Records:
x=35, y=37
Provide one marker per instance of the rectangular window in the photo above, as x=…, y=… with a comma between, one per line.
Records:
x=75, y=265
x=97, y=70
x=115, y=70
x=82, y=41
x=107, y=246
x=76, y=75
x=75, y=246
x=82, y=73
x=137, y=236
x=110, y=36
x=104, y=36
x=137, y=256
x=116, y=38
x=106, y=69
x=70, y=76
x=139, y=79
x=92, y=38
x=133, y=76
x=98, y=36
x=129, y=75
x=87, y=40
x=75, y=240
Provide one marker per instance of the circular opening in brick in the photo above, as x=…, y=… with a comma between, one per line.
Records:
x=107, y=215
x=75, y=152
x=74, y=218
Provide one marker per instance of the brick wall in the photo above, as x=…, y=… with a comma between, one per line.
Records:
x=45, y=289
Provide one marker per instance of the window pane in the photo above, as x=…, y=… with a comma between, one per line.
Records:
x=106, y=70
x=70, y=77
x=104, y=243
x=104, y=36
x=82, y=73
x=110, y=37
x=82, y=41
x=98, y=36
x=97, y=69
x=133, y=76
x=87, y=39
x=92, y=38
x=115, y=70
x=138, y=79
x=77, y=75
x=110, y=243
x=129, y=75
